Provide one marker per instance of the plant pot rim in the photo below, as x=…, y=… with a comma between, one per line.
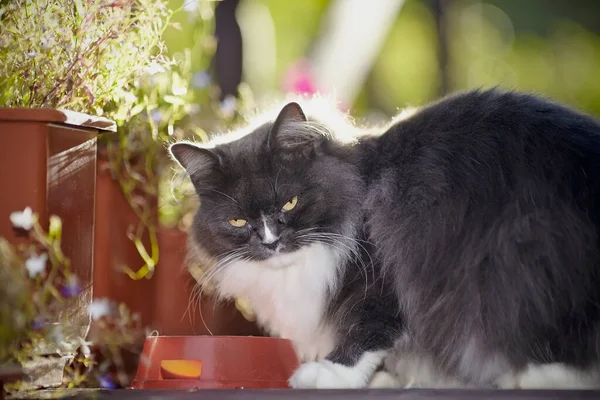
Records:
x=73, y=118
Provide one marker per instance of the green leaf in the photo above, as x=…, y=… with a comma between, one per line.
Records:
x=174, y=100
x=137, y=109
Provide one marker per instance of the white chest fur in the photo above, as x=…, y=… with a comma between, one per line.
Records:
x=288, y=294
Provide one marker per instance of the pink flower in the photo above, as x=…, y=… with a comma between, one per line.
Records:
x=299, y=79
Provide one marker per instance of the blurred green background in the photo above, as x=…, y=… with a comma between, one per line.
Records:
x=550, y=47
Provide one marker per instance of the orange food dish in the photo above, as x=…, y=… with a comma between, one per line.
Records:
x=181, y=369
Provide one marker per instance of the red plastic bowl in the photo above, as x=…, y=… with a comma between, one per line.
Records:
x=227, y=362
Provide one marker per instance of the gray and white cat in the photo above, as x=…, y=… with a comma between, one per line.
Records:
x=459, y=246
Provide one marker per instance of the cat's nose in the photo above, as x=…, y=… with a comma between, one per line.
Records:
x=271, y=245
x=268, y=234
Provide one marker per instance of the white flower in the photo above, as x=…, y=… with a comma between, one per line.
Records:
x=22, y=219
x=31, y=54
x=228, y=106
x=36, y=264
x=85, y=347
x=179, y=91
x=190, y=6
x=46, y=43
x=87, y=42
x=99, y=308
x=154, y=68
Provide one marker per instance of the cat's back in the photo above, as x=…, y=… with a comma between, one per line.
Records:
x=495, y=116
x=492, y=138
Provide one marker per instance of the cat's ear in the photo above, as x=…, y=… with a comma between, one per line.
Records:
x=292, y=133
x=199, y=163
x=289, y=114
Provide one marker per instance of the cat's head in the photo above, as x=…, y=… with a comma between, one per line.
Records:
x=283, y=186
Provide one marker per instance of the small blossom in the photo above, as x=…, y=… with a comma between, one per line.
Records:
x=87, y=42
x=201, y=80
x=46, y=43
x=36, y=264
x=190, y=6
x=38, y=323
x=192, y=108
x=55, y=226
x=22, y=219
x=99, y=308
x=72, y=287
x=156, y=116
x=299, y=79
x=85, y=347
x=179, y=91
x=31, y=54
x=105, y=382
x=154, y=68
x=228, y=106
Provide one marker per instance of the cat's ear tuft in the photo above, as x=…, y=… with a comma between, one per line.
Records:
x=199, y=163
x=292, y=132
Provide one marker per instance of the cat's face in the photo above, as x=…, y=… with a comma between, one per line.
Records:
x=282, y=187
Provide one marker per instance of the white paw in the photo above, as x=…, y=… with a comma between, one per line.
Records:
x=327, y=375
x=384, y=380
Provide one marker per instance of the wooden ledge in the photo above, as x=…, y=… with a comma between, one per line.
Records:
x=58, y=116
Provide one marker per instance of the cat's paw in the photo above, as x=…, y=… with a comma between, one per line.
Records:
x=384, y=380
x=327, y=375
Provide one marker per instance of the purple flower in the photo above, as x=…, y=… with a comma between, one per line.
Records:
x=71, y=288
x=105, y=382
x=156, y=116
x=38, y=323
x=201, y=80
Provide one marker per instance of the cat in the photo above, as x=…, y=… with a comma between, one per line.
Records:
x=456, y=247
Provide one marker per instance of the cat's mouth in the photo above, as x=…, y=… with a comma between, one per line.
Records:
x=274, y=251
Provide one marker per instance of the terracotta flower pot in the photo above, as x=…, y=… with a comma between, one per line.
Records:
x=114, y=250
x=176, y=310
x=215, y=362
x=48, y=160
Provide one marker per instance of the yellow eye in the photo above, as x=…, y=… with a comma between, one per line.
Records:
x=238, y=222
x=290, y=204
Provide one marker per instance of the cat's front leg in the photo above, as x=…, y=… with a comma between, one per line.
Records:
x=344, y=368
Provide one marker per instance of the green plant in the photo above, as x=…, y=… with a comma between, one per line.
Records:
x=87, y=56
x=106, y=58
x=83, y=54
x=110, y=58
x=37, y=281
